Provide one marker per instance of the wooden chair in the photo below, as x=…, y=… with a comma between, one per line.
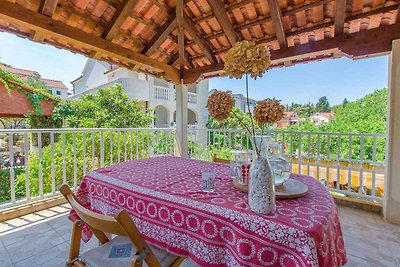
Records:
x=128, y=240
x=216, y=159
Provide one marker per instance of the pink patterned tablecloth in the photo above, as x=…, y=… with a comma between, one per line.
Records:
x=164, y=197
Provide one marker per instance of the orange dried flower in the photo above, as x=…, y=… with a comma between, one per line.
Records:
x=268, y=111
x=220, y=105
x=247, y=57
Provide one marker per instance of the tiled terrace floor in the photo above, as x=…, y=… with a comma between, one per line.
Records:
x=42, y=239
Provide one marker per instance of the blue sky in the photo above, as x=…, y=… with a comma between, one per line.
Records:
x=301, y=83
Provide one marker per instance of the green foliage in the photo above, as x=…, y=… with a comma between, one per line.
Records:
x=110, y=108
x=323, y=105
x=5, y=182
x=232, y=122
x=36, y=82
x=366, y=115
x=87, y=155
x=34, y=94
x=302, y=110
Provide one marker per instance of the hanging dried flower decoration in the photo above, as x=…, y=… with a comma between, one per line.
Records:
x=268, y=111
x=220, y=105
x=247, y=57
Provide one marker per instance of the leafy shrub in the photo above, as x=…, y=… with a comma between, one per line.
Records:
x=88, y=155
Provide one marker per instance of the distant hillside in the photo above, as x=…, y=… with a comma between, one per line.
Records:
x=365, y=115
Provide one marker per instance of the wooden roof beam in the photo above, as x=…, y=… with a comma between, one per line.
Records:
x=175, y=60
x=220, y=13
x=47, y=7
x=398, y=15
x=181, y=34
x=52, y=28
x=340, y=16
x=312, y=28
x=120, y=15
x=276, y=17
x=198, y=39
x=162, y=34
x=372, y=42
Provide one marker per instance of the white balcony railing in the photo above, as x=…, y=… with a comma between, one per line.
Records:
x=349, y=164
x=35, y=162
x=161, y=93
x=192, y=98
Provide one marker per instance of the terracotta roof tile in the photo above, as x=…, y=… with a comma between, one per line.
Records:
x=304, y=21
x=25, y=74
x=19, y=72
x=54, y=84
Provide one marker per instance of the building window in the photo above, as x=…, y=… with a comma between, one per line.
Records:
x=142, y=76
x=58, y=92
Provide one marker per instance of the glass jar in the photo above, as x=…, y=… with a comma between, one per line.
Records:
x=280, y=166
x=273, y=150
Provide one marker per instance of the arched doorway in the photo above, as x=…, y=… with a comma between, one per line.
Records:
x=192, y=117
x=161, y=117
x=192, y=120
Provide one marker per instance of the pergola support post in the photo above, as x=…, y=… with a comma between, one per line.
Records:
x=181, y=120
x=391, y=207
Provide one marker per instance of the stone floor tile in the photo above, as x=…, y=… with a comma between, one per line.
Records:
x=17, y=222
x=33, y=217
x=360, y=218
x=59, y=221
x=60, y=209
x=55, y=256
x=369, y=240
x=29, y=247
x=26, y=232
x=47, y=213
x=4, y=257
x=4, y=227
x=369, y=244
x=353, y=261
x=65, y=230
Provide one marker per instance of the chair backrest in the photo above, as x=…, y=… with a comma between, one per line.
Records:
x=120, y=224
x=216, y=159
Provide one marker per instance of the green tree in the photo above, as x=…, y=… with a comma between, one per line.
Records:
x=232, y=122
x=345, y=101
x=109, y=108
x=323, y=105
x=36, y=82
x=366, y=115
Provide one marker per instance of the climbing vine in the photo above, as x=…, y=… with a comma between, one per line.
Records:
x=35, y=95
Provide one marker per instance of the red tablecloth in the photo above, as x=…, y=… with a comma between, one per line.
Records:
x=164, y=197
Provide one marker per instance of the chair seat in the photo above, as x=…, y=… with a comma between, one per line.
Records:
x=119, y=252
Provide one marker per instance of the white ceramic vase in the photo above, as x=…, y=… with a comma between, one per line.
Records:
x=261, y=187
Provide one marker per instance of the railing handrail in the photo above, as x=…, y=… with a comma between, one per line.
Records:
x=6, y=131
x=295, y=132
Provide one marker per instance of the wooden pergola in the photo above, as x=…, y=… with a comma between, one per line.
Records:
x=183, y=41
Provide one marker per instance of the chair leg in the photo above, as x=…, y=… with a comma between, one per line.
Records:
x=177, y=262
x=75, y=242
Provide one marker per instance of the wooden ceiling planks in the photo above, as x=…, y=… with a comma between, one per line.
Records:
x=143, y=34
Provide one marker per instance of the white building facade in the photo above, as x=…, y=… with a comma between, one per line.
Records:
x=241, y=101
x=152, y=93
x=320, y=118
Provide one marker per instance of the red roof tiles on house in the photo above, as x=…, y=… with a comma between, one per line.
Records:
x=25, y=74
x=19, y=72
x=54, y=84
